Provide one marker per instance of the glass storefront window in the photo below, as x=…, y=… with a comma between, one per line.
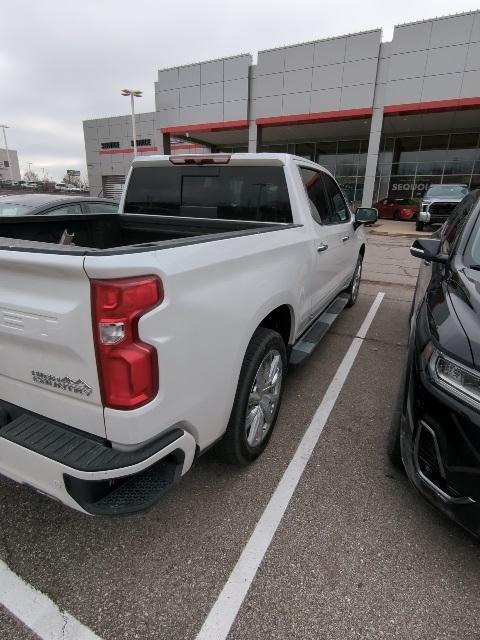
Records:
x=431, y=168
x=384, y=170
x=305, y=150
x=275, y=148
x=362, y=157
x=404, y=168
x=348, y=187
x=347, y=170
x=381, y=189
x=458, y=167
x=406, y=149
x=327, y=155
x=388, y=144
x=359, y=191
x=462, y=141
x=327, y=148
x=418, y=161
x=457, y=179
x=348, y=151
x=475, y=183
x=431, y=144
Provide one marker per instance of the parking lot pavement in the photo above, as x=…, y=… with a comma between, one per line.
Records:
x=399, y=228
x=388, y=260
x=357, y=555
x=11, y=628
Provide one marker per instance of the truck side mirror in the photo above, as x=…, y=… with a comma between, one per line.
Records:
x=366, y=215
x=428, y=249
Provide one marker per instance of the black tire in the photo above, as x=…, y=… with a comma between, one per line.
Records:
x=352, y=291
x=419, y=226
x=396, y=216
x=394, y=450
x=234, y=447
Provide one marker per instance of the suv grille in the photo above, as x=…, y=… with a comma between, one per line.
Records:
x=443, y=209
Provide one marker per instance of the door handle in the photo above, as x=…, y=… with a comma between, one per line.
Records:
x=322, y=247
x=345, y=238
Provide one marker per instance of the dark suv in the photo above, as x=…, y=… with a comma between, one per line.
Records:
x=435, y=431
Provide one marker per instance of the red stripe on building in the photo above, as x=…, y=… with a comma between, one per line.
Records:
x=436, y=106
x=128, y=150
x=230, y=125
x=310, y=118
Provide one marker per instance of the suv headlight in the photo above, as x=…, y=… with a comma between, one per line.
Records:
x=457, y=379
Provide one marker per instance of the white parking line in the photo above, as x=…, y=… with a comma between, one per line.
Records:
x=223, y=613
x=37, y=611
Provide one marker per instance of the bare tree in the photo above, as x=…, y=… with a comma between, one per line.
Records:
x=30, y=176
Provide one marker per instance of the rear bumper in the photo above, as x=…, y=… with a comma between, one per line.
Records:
x=84, y=472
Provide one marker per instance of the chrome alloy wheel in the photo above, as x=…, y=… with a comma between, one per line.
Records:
x=264, y=397
x=357, y=276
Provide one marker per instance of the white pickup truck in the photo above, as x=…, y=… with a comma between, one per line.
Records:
x=131, y=343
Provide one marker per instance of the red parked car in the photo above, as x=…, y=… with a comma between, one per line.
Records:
x=396, y=209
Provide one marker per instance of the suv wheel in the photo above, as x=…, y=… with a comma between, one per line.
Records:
x=394, y=450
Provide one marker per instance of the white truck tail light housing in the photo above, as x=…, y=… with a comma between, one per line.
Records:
x=127, y=367
x=217, y=158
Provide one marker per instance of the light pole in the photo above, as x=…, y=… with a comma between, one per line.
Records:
x=4, y=126
x=133, y=93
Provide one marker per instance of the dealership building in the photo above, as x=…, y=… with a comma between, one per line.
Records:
x=9, y=167
x=388, y=119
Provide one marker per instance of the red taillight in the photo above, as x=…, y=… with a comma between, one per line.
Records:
x=217, y=158
x=127, y=367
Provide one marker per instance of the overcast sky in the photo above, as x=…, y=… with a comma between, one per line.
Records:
x=62, y=62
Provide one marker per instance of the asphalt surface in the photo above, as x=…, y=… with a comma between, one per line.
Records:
x=358, y=553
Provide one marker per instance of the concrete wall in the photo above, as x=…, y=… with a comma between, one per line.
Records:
x=212, y=91
x=432, y=60
x=117, y=129
x=5, y=171
x=326, y=75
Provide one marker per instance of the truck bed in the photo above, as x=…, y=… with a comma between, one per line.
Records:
x=122, y=233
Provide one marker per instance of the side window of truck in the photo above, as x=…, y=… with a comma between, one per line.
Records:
x=317, y=197
x=341, y=211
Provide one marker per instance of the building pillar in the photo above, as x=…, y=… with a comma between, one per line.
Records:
x=254, y=137
x=372, y=156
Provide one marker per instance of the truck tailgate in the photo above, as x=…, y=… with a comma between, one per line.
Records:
x=47, y=355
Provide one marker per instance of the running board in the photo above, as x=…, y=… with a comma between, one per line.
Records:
x=310, y=341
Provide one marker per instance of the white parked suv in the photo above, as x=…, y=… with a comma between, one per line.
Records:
x=439, y=202
x=131, y=343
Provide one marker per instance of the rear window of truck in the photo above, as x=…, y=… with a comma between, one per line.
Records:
x=254, y=193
